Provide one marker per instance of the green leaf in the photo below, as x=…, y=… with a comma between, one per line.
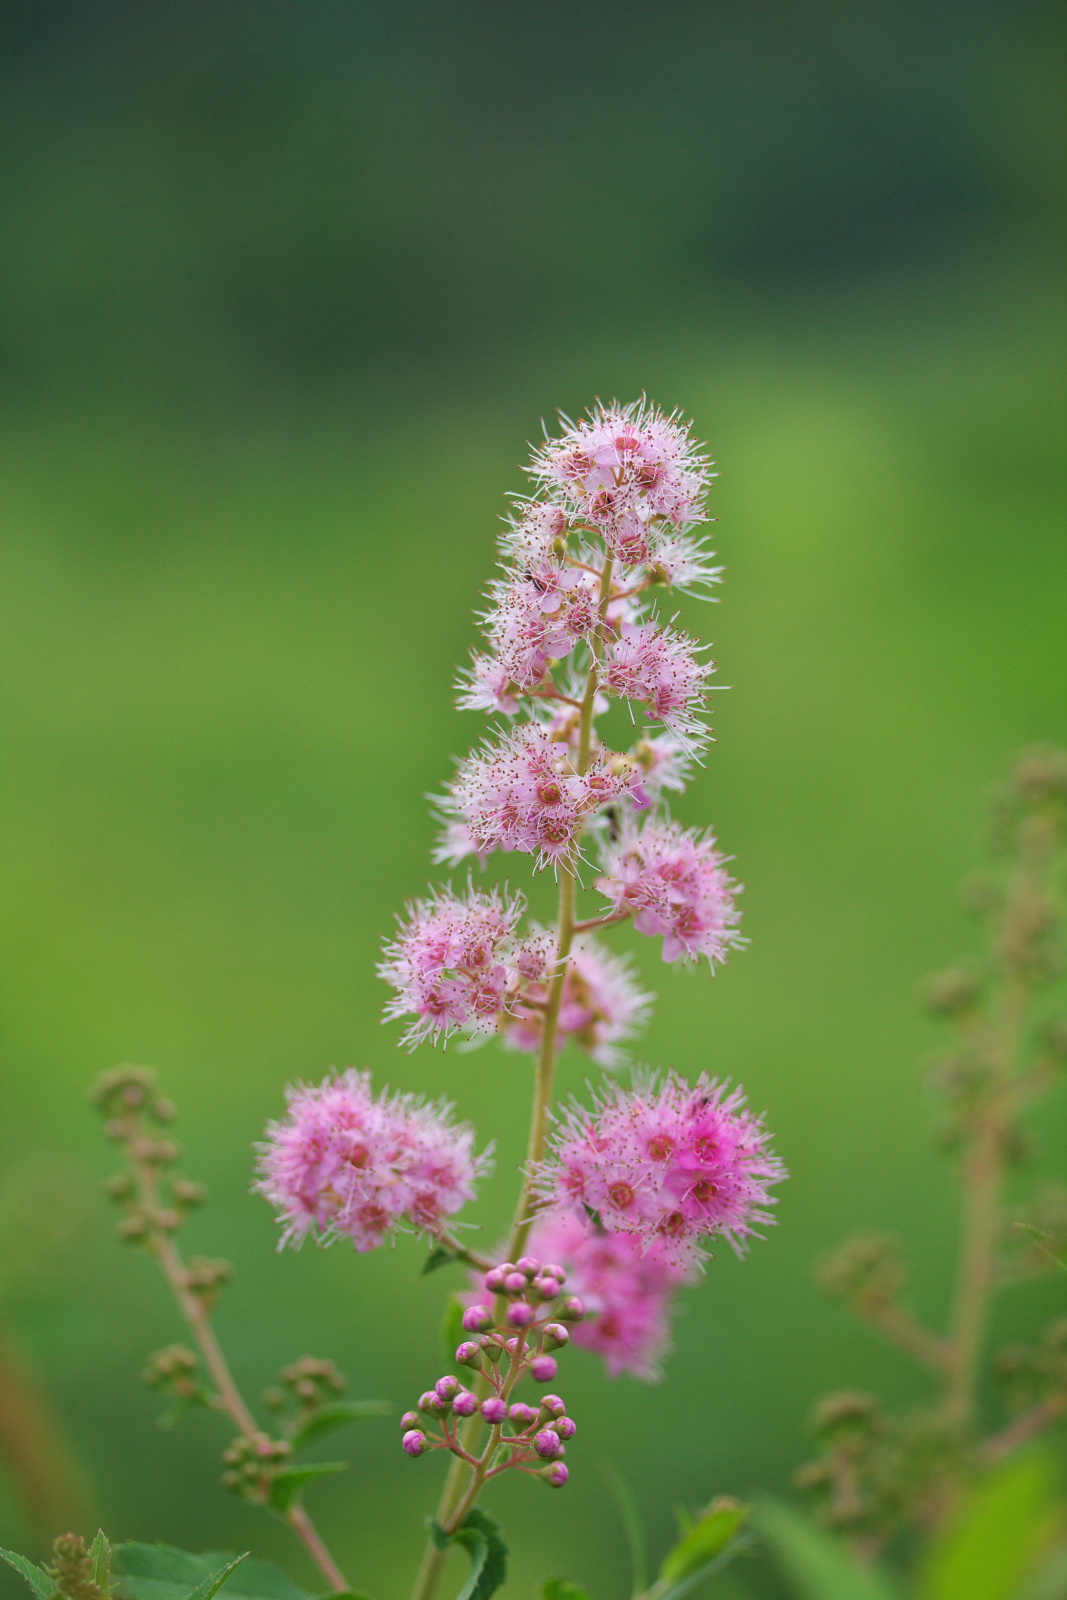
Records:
x=287, y=1487
x=481, y=1537
x=440, y=1256
x=1006, y=1525
x=100, y=1551
x=704, y=1540
x=38, y=1579
x=160, y=1572
x=334, y=1415
x=818, y=1565
x=453, y=1332
x=215, y=1580
x=562, y=1589
x=631, y=1521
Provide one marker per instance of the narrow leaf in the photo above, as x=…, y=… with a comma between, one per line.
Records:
x=631, y=1522
x=38, y=1579
x=287, y=1487
x=215, y=1581
x=705, y=1540
x=562, y=1589
x=816, y=1563
x=452, y=1330
x=335, y=1415
x=480, y=1536
x=440, y=1256
x=1004, y=1528
x=100, y=1551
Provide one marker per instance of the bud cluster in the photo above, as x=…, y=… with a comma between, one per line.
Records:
x=252, y=1464
x=515, y=1331
x=305, y=1387
x=154, y=1199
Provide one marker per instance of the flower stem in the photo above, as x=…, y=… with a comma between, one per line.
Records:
x=459, y=1495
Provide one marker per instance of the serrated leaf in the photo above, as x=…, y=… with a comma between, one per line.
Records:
x=160, y=1572
x=453, y=1332
x=440, y=1256
x=562, y=1589
x=215, y=1580
x=287, y=1487
x=43, y=1586
x=819, y=1567
x=998, y=1538
x=481, y=1538
x=704, y=1540
x=631, y=1521
x=100, y=1551
x=335, y=1415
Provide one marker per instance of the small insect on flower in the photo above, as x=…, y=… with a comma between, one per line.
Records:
x=344, y=1161
x=669, y=1163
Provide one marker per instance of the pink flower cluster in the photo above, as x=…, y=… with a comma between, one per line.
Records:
x=625, y=1285
x=668, y=1163
x=674, y=883
x=523, y=793
x=627, y=470
x=453, y=963
x=344, y=1161
x=659, y=668
x=602, y=1004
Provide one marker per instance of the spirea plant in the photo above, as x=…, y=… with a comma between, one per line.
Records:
x=620, y=1195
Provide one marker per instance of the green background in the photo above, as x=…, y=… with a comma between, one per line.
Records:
x=287, y=288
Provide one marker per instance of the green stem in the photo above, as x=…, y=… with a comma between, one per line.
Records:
x=459, y=1494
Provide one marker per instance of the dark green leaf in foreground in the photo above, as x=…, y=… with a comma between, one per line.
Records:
x=160, y=1572
x=440, y=1256
x=287, y=1487
x=334, y=1415
x=483, y=1542
x=39, y=1581
x=818, y=1566
x=704, y=1541
x=1000, y=1535
x=100, y=1551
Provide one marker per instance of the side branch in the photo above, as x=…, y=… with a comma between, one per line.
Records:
x=1025, y=1427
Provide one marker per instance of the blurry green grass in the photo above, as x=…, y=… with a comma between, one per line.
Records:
x=229, y=653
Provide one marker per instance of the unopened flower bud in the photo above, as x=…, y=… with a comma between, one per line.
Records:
x=414, y=1442
x=520, y=1315
x=132, y=1229
x=546, y=1288
x=547, y=1444
x=492, y=1351
x=164, y=1110
x=551, y=1270
x=120, y=1187
x=552, y=1405
x=465, y=1404
x=169, y=1219
x=556, y=1475
x=565, y=1427
x=477, y=1319
x=494, y=1411
x=522, y=1415
x=555, y=1335
x=528, y=1265
x=515, y=1283
x=494, y=1279
x=447, y=1388
x=469, y=1354
x=410, y=1419
x=428, y=1401
x=572, y=1309
x=187, y=1193
x=543, y=1369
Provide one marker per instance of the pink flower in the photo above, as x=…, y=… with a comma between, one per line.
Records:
x=627, y=1290
x=668, y=1163
x=665, y=763
x=602, y=1003
x=535, y=531
x=627, y=470
x=540, y=613
x=346, y=1162
x=683, y=562
x=449, y=963
x=659, y=668
x=673, y=882
x=487, y=685
x=523, y=793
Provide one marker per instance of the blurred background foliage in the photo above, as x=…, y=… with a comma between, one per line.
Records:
x=286, y=287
